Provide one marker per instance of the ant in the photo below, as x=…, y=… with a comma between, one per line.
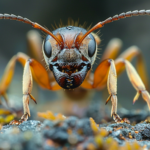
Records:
x=69, y=53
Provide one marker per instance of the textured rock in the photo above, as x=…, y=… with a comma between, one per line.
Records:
x=72, y=132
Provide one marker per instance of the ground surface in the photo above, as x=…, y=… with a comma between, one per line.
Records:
x=74, y=134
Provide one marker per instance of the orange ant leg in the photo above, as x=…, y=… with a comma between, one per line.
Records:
x=27, y=88
x=106, y=71
x=134, y=79
x=31, y=68
x=131, y=53
x=7, y=77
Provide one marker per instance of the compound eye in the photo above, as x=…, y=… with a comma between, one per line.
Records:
x=91, y=47
x=47, y=48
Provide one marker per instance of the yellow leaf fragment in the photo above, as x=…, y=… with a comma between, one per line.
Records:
x=50, y=116
x=60, y=117
x=94, y=126
x=91, y=146
x=99, y=141
x=103, y=132
x=4, y=112
x=9, y=118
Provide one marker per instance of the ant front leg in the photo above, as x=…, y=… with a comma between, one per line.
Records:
x=31, y=68
x=107, y=71
x=27, y=88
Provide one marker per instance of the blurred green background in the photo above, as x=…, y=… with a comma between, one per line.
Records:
x=132, y=31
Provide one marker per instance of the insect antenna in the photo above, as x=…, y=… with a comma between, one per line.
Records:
x=111, y=19
x=34, y=25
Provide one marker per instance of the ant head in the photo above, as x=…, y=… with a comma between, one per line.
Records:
x=70, y=62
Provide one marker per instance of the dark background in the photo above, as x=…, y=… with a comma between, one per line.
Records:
x=132, y=31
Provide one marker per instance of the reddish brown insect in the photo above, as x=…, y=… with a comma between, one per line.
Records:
x=69, y=53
